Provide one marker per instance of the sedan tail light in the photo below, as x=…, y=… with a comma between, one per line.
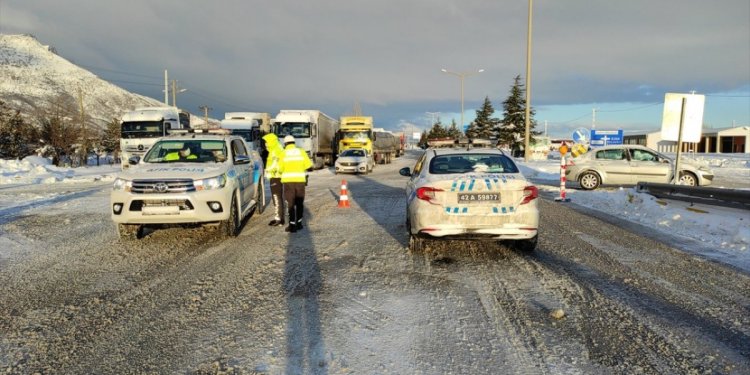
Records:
x=427, y=193
x=529, y=193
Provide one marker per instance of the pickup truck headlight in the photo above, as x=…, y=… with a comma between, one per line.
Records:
x=122, y=184
x=212, y=183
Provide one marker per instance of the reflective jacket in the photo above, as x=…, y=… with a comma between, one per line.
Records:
x=274, y=154
x=293, y=164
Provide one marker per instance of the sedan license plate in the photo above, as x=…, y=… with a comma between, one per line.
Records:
x=478, y=197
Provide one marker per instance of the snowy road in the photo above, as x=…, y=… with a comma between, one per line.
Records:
x=344, y=296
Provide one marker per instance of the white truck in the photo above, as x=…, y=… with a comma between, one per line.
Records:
x=140, y=128
x=203, y=177
x=249, y=125
x=313, y=131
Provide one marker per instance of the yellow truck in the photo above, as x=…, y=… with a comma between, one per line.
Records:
x=355, y=132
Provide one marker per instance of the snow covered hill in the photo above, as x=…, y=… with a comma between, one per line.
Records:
x=33, y=79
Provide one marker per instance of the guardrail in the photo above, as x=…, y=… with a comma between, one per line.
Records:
x=698, y=194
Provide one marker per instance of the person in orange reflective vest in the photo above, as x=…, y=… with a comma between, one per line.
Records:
x=293, y=165
x=274, y=177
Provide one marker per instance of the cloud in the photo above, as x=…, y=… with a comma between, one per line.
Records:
x=258, y=55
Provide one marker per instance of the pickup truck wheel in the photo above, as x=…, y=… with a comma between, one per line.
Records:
x=260, y=196
x=230, y=226
x=129, y=231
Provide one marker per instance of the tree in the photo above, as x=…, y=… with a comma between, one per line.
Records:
x=437, y=131
x=110, y=141
x=511, y=131
x=17, y=137
x=59, y=132
x=485, y=124
x=453, y=131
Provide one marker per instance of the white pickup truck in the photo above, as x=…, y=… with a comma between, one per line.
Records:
x=190, y=177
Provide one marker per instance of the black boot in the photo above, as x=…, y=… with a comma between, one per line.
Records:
x=291, y=228
x=276, y=223
x=299, y=225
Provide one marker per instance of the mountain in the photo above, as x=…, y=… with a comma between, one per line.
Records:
x=33, y=79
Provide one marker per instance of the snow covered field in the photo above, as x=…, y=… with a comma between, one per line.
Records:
x=723, y=229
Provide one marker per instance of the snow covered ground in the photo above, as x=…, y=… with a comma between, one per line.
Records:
x=725, y=230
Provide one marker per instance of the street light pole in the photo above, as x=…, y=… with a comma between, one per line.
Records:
x=527, y=120
x=461, y=76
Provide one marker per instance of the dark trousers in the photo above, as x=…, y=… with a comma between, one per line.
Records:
x=294, y=195
x=277, y=196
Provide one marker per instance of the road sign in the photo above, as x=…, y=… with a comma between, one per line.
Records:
x=682, y=113
x=606, y=137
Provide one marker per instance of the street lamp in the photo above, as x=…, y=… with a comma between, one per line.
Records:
x=528, y=88
x=461, y=76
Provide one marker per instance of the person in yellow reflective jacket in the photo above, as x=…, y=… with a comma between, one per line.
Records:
x=181, y=155
x=293, y=165
x=274, y=176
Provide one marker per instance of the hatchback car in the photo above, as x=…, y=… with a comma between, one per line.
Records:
x=629, y=165
x=474, y=193
x=354, y=160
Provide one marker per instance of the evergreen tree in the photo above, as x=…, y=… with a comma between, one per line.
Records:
x=17, y=137
x=453, y=131
x=422, y=140
x=511, y=130
x=110, y=141
x=485, y=124
x=437, y=131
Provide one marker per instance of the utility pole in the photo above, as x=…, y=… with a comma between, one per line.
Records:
x=174, y=93
x=593, y=118
x=205, y=110
x=84, y=137
x=166, y=88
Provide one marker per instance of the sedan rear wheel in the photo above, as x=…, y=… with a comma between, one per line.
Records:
x=527, y=246
x=589, y=180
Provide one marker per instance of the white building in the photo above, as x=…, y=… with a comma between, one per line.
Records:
x=725, y=140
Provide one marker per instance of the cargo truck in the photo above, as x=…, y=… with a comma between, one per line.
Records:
x=355, y=132
x=385, y=146
x=249, y=125
x=313, y=131
x=140, y=128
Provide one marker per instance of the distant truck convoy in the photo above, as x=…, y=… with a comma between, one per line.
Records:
x=314, y=132
x=249, y=125
x=355, y=132
x=140, y=128
x=386, y=146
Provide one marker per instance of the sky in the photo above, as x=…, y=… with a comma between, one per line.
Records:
x=594, y=63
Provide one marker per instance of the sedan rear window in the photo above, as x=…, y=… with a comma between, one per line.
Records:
x=465, y=163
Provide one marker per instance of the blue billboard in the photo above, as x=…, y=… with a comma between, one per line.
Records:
x=605, y=137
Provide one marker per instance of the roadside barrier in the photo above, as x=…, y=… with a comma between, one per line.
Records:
x=562, y=197
x=343, y=197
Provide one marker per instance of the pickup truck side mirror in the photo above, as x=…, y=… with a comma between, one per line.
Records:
x=133, y=160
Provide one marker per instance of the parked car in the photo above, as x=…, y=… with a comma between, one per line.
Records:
x=354, y=160
x=468, y=192
x=630, y=164
x=186, y=178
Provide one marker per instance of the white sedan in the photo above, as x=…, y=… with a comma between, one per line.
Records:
x=354, y=160
x=470, y=193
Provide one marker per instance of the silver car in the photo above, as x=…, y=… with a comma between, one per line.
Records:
x=354, y=160
x=629, y=165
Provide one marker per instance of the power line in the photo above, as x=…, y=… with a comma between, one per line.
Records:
x=117, y=71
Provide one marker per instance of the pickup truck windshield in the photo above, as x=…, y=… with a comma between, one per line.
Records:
x=187, y=151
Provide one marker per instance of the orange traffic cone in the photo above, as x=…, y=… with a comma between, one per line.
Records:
x=344, y=197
